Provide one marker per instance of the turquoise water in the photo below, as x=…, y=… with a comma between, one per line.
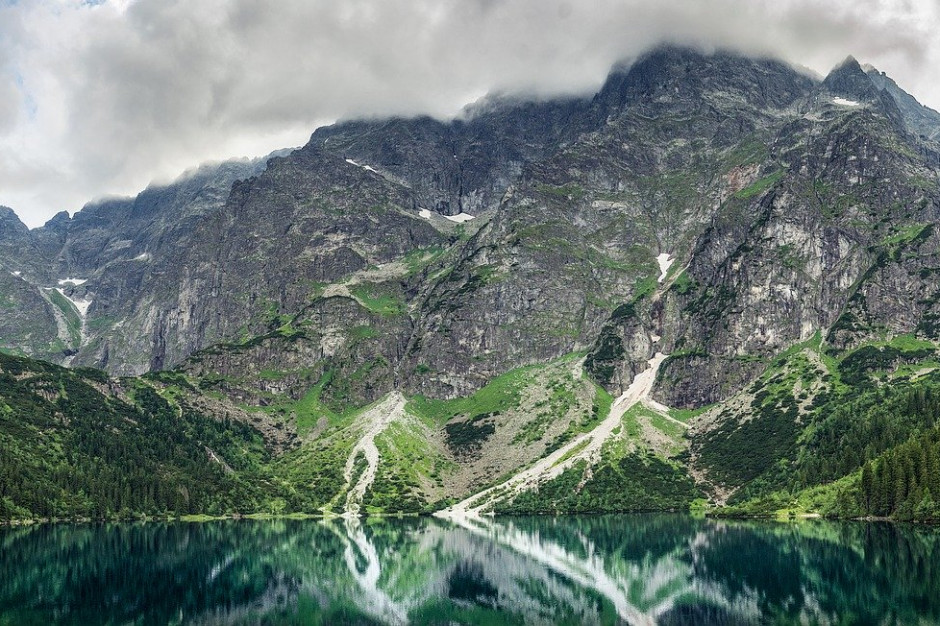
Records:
x=644, y=569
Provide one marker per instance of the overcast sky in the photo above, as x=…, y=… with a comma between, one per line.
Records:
x=103, y=97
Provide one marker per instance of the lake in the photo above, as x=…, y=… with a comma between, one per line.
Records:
x=640, y=569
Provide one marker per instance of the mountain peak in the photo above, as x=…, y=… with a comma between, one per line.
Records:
x=11, y=226
x=670, y=73
x=8, y=216
x=848, y=67
x=849, y=62
x=59, y=219
x=849, y=80
x=919, y=119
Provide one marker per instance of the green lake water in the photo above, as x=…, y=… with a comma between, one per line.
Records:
x=643, y=569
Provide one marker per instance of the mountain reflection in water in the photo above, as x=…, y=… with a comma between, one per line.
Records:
x=644, y=569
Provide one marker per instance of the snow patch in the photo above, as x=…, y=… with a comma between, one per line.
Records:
x=81, y=305
x=72, y=281
x=665, y=262
x=844, y=102
x=425, y=214
x=460, y=218
x=365, y=167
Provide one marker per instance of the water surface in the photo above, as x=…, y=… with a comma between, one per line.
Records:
x=649, y=569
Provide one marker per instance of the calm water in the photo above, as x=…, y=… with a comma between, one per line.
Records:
x=579, y=570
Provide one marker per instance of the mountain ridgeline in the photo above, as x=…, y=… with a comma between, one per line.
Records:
x=716, y=279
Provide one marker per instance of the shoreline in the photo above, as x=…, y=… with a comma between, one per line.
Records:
x=442, y=514
x=799, y=517
x=199, y=518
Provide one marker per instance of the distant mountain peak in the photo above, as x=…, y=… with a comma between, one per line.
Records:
x=849, y=62
x=848, y=68
x=670, y=73
x=849, y=80
x=918, y=118
x=62, y=217
x=9, y=219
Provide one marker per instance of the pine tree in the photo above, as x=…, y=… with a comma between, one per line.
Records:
x=868, y=489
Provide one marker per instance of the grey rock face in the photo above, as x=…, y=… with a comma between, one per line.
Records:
x=115, y=247
x=332, y=337
x=31, y=322
x=774, y=270
x=770, y=195
x=920, y=120
x=28, y=324
x=460, y=166
x=849, y=80
x=308, y=220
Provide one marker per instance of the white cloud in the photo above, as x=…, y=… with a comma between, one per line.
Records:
x=102, y=97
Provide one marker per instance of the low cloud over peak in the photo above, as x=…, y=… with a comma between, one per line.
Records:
x=102, y=97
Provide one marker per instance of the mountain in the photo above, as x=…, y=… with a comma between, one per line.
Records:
x=658, y=294
x=79, y=273
x=920, y=120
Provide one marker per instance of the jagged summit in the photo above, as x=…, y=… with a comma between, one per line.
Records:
x=62, y=217
x=919, y=119
x=848, y=62
x=671, y=73
x=7, y=213
x=849, y=80
x=10, y=222
x=849, y=83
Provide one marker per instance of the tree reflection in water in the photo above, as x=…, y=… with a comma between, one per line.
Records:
x=644, y=569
